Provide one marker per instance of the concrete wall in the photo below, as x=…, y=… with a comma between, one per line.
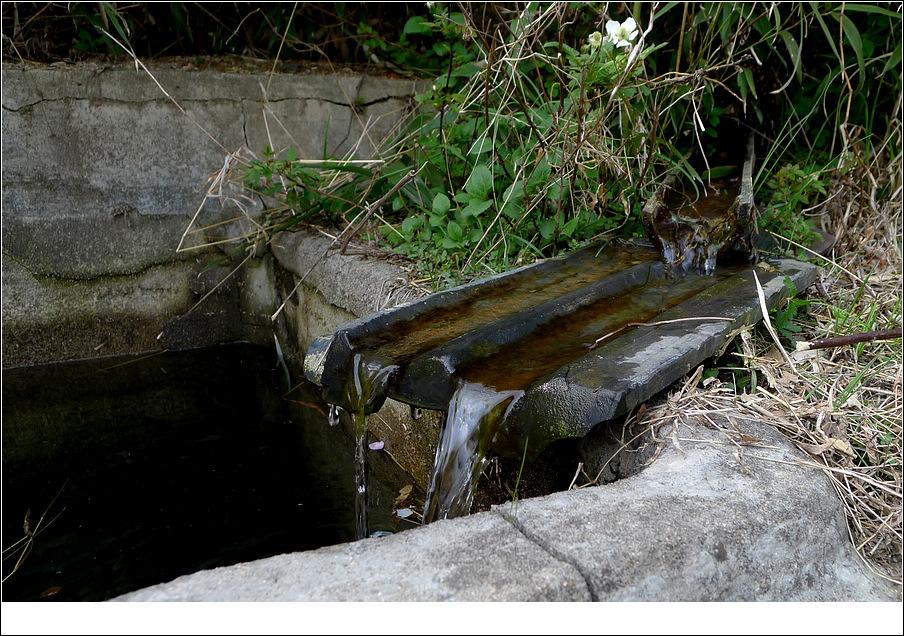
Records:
x=102, y=173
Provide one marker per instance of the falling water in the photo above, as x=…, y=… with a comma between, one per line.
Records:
x=475, y=412
x=364, y=393
x=692, y=251
x=333, y=417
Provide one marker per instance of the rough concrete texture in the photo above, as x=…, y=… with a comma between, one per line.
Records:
x=102, y=173
x=477, y=558
x=48, y=319
x=94, y=247
x=357, y=284
x=340, y=289
x=214, y=318
x=709, y=520
x=102, y=137
x=258, y=297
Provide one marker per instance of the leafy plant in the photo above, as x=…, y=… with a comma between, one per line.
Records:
x=785, y=316
x=790, y=190
x=529, y=143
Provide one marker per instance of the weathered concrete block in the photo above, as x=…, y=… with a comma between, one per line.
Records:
x=102, y=173
x=709, y=521
x=354, y=283
x=479, y=558
x=47, y=319
x=102, y=156
x=82, y=248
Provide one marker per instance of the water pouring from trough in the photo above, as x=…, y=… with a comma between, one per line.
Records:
x=512, y=360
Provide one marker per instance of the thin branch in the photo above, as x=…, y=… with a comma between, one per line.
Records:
x=843, y=341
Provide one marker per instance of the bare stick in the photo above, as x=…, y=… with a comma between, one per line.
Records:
x=373, y=207
x=842, y=341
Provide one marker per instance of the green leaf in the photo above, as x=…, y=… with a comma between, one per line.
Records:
x=441, y=204
x=480, y=182
x=466, y=70
x=417, y=25
x=719, y=172
x=454, y=231
x=121, y=27
x=513, y=200
x=481, y=145
x=571, y=226
x=830, y=39
x=449, y=244
x=790, y=286
x=547, y=227
x=748, y=77
x=894, y=61
x=794, y=52
x=871, y=8
x=853, y=38
x=476, y=207
x=539, y=176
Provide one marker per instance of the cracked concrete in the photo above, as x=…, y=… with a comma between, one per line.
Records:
x=712, y=521
x=551, y=551
x=102, y=174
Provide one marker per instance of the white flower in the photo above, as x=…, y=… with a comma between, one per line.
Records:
x=621, y=33
x=595, y=39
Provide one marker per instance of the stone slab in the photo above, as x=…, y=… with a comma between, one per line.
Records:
x=478, y=558
x=709, y=520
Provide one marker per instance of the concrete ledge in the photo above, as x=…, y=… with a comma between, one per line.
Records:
x=713, y=521
x=709, y=520
x=478, y=558
x=47, y=319
x=357, y=284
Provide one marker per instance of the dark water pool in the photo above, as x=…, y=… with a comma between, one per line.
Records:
x=148, y=468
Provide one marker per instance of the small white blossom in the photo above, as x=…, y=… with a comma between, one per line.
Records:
x=596, y=40
x=621, y=33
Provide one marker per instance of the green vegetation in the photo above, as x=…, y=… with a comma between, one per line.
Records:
x=542, y=130
x=535, y=139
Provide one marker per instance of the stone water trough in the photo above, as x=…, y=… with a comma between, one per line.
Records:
x=101, y=177
x=534, y=329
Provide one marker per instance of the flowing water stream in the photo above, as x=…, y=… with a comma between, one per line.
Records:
x=472, y=420
x=365, y=391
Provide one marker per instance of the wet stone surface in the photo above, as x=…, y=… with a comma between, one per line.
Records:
x=539, y=344
x=544, y=353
